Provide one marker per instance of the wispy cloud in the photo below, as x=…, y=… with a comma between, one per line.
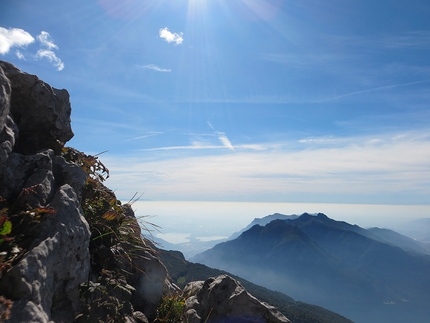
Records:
x=13, y=37
x=149, y=134
x=379, y=88
x=386, y=167
x=19, y=55
x=222, y=137
x=154, y=68
x=170, y=37
x=46, y=41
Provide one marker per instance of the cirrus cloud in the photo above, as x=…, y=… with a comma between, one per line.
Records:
x=46, y=41
x=155, y=68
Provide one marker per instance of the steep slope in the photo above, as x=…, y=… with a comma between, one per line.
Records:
x=399, y=240
x=332, y=264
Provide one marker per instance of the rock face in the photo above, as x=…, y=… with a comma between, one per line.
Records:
x=34, y=118
x=37, y=183
x=40, y=112
x=224, y=300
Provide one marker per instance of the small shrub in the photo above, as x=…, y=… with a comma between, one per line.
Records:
x=171, y=309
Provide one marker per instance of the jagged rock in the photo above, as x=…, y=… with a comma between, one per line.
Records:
x=41, y=113
x=48, y=276
x=44, y=283
x=223, y=300
x=8, y=129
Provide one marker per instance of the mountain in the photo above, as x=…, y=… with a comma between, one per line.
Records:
x=362, y=274
x=397, y=239
x=182, y=272
x=263, y=221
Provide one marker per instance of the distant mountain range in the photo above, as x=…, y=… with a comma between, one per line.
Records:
x=368, y=275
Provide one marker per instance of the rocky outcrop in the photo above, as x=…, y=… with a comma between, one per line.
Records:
x=42, y=194
x=54, y=261
x=223, y=300
x=40, y=112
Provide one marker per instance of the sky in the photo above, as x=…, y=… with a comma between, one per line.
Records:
x=241, y=101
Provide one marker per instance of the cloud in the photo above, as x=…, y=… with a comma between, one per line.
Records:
x=149, y=134
x=222, y=137
x=50, y=56
x=155, y=68
x=379, y=88
x=225, y=141
x=46, y=41
x=19, y=55
x=170, y=37
x=13, y=37
x=391, y=169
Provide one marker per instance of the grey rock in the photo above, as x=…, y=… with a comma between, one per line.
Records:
x=223, y=299
x=7, y=126
x=41, y=113
x=28, y=312
x=44, y=283
x=5, y=97
x=47, y=278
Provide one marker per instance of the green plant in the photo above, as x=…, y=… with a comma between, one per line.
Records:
x=171, y=309
x=5, y=225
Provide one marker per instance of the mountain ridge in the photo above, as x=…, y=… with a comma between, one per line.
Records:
x=334, y=261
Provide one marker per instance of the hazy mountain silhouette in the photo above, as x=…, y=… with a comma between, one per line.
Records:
x=263, y=221
x=366, y=275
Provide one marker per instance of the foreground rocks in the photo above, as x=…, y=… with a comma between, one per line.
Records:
x=223, y=300
x=42, y=193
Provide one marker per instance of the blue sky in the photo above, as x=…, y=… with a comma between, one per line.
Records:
x=240, y=100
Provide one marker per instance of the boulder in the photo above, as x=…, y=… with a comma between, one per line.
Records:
x=222, y=299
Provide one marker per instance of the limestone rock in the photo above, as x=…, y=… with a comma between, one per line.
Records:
x=8, y=129
x=41, y=113
x=34, y=118
x=223, y=299
x=48, y=276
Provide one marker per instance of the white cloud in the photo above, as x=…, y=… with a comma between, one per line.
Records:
x=225, y=141
x=222, y=137
x=155, y=68
x=46, y=40
x=50, y=56
x=170, y=37
x=13, y=37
